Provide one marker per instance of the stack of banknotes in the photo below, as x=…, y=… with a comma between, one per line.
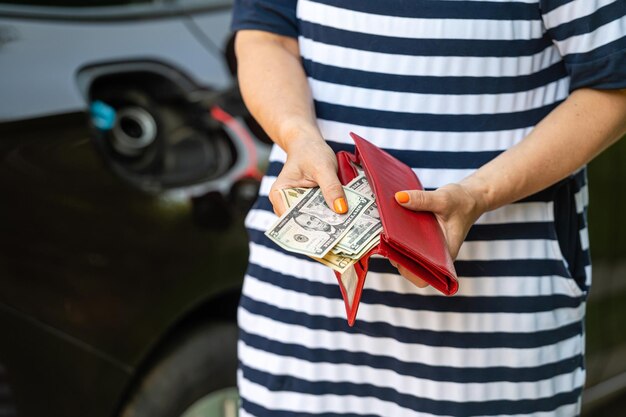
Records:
x=311, y=228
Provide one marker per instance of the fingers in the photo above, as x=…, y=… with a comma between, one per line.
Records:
x=409, y=275
x=417, y=281
x=309, y=168
x=283, y=181
x=332, y=191
x=277, y=202
x=418, y=200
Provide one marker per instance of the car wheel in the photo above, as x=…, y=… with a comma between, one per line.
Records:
x=195, y=377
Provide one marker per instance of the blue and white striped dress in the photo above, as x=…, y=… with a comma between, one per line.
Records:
x=445, y=86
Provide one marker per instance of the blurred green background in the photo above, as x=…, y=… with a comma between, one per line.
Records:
x=606, y=311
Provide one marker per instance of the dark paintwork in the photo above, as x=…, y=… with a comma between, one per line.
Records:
x=92, y=271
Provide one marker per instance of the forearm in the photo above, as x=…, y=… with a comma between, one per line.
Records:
x=581, y=127
x=274, y=86
x=275, y=89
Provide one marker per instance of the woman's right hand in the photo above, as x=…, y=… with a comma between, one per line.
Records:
x=310, y=163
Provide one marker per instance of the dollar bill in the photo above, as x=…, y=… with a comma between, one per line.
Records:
x=366, y=228
x=364, y=243
x=358, y=168
x=367, y=247
x=291, y=196
x=340, y=263
x=343, y=262
x=362, y=236
x=360, y=184
x=311, y=228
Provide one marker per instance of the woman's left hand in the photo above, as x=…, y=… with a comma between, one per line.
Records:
x=456, y=208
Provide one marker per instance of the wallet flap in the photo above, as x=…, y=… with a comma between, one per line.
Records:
x=346, y=171
x=417, y=235
x=437, y=279
x=351, y=282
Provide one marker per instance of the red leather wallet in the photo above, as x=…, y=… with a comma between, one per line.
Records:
x=410, y=238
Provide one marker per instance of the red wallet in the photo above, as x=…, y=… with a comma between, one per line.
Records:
x=410, y=238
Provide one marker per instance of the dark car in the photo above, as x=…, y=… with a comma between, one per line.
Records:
x=127, y=164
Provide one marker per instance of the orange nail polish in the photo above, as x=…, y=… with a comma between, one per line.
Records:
x=340, y=205
x=402, y=197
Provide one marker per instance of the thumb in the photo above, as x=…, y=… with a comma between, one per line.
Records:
x=333, y=191
x=418, y=200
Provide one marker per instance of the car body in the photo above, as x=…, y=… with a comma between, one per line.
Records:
x=113, y=256
x=127, y=164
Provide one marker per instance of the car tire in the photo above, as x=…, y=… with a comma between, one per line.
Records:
x=203, y=362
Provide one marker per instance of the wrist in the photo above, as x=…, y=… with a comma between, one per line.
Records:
x=298, y=133
x=480, y=191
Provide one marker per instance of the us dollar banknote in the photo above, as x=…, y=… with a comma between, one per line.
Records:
x=360, y=184
x=366, y=228
x=312, y=228
x=339, y=262
x=290, y=196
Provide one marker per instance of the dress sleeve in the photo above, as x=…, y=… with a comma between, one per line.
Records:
x=276, y=16
x=591, y=37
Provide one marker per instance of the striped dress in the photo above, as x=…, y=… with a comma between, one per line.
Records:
x=445, y=86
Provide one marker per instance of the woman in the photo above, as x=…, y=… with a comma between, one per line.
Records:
x=497, y=105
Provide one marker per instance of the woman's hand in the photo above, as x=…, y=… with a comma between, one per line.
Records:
x=310, y=163
x=456, y=208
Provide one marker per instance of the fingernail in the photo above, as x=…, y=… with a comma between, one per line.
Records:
x=340, y=205
x=402, y=197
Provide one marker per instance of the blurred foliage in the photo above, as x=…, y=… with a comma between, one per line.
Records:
x=607, y=208
x=606, y=310
x=604, y=329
